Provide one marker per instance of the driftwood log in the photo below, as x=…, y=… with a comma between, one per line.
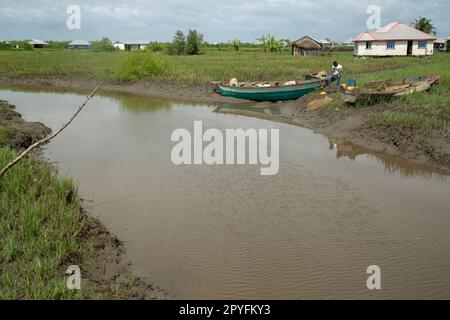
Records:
x=49, y=137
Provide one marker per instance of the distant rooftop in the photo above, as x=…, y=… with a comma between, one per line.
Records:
x=36, y=41
x=394, y=31
x=133, y=42
x=79, y=43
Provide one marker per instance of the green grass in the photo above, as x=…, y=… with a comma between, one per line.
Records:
x=213, y=65
x=38, y=230
x=5, y=133
x=410, y=120
x=42, y=232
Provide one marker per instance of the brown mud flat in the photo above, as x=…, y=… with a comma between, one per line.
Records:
x=106, y=273
x=425, y=147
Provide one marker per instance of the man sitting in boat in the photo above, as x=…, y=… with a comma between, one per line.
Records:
x=336, y=73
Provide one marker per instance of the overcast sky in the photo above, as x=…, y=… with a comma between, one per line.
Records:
x=219, y=21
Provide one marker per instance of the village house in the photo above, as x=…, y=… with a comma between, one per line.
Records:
x=442, y=44
x=131, y=45
x=37, y=44
x=80, y=44
x=326, y=44
x=306, y=46
x=395, y=39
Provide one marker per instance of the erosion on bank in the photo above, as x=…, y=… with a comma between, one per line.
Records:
x=43, y=230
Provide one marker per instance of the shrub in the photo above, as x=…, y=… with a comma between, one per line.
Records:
x=4, y=45
x=155, y=47
x=142, y=64
x=178, y=45
x=193, y=42
x=103, y=45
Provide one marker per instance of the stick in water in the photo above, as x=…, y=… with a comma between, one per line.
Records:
x=49, y=137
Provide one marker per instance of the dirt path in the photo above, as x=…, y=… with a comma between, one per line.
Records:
x=430, y=147
x=107, y=267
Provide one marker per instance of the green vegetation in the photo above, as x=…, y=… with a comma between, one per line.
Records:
x=271, y=44
x=194, y=40
x=142, y=64
x=410, y=120
x=5, y=133
x=178, y=45
x=42, y=232
x=182, y=45
x=39, y=229
x=103, y=45
x=58, y=45
x=236, y=43
x=425, y=25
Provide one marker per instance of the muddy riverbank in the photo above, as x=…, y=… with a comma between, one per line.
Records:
x=106, y=272
x=426, y=147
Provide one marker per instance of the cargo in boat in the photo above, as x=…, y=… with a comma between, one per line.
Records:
x=269, y=91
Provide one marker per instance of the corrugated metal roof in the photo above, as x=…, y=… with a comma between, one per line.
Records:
x=35, y=41
x=394, y=31
x=79, y=43
x=134, y=42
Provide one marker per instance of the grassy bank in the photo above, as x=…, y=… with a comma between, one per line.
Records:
x=39, y=230
x=43, y=231
x=247, y=65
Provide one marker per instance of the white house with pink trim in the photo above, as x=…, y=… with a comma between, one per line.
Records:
x=395, y=39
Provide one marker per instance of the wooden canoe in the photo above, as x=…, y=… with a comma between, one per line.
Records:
x=387, y=89
x=266, y=91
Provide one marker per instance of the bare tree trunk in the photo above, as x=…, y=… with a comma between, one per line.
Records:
x=49, y=137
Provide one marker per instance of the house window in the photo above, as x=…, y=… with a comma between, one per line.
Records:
x=422, y=44
x=391, y=44
x=368, y=45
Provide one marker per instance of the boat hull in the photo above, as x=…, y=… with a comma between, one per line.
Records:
x=388, y=89
x=270, y=94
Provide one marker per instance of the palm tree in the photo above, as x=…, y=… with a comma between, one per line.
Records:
x=425, y=25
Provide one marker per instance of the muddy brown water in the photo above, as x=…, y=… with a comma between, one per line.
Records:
x=226, y=231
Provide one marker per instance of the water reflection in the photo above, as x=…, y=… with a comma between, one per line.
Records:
x=136, y=104
x=392, y=164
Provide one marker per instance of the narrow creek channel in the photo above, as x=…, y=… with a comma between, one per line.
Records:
x=211, y=232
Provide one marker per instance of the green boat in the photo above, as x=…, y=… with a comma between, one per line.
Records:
x=266, y=91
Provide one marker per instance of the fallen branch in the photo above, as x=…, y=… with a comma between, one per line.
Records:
x=49, y=137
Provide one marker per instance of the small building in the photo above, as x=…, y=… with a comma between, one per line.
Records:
x=442, y=44
x=131, y=45
x=80, y=44
x=37, y=44
x=326, y=44
x=306, y=46
x=395, y=39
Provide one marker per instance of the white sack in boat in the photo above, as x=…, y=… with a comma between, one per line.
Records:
x=233, y=82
